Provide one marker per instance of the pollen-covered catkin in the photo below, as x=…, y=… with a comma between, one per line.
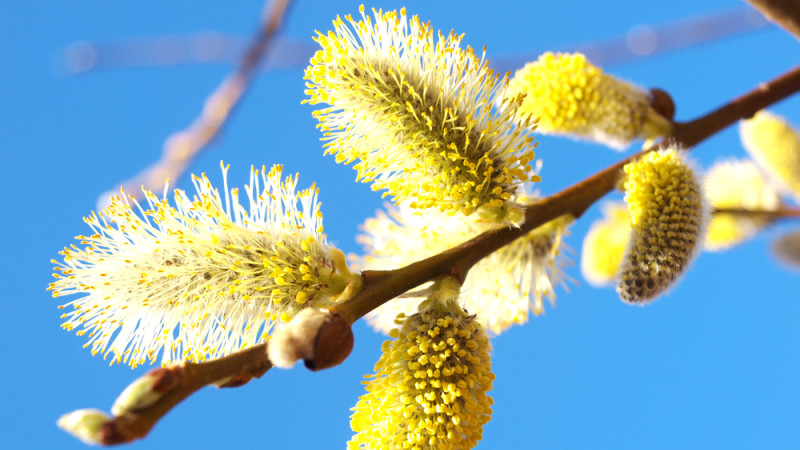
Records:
x=430, y=386
x=570, y=96
x=775, y=146
x=667, y=223
x=415, y=110
x=200, y=279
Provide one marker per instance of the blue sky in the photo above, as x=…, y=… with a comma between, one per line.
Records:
x=714, y=364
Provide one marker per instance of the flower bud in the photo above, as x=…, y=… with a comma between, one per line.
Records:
x=84, y=424
x=148, y=389
x=787, y=249
x=317, y=336
x=668, y=217
x=775, y=147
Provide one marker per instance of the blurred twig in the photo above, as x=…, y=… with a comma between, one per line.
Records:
x=181, y=147
x=641, y=41
x=784, y=212
x=206, y=47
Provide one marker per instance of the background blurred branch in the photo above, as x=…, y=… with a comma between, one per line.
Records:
x=784, y=212
x=785, y=13
x=644, y=41
x=181, y=147
x=641, y=41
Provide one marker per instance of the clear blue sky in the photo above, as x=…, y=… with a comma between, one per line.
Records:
x=715, y=364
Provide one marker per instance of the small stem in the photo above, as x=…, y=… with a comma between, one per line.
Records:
x=781, y=213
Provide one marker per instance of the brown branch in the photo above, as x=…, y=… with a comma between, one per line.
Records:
x=380, y=287
x=178, y=381
x=785, y=13
x=640, y=42
x=691, y=133
x=183, y=146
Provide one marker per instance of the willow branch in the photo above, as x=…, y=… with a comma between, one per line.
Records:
x=183, y=379
x=177, y=382
x=785, y=13
x=182, y=147
x=382, y=286
x=691, y=133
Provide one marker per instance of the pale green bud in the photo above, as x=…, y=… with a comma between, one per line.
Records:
x=84, y=424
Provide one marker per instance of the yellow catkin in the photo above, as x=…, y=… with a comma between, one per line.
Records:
x=737, y=184
x=568, y=95
x=414, y=110
x=200, y=279
x=667, y=223
x=429, y=389
x=605, y=244
x=775, y=146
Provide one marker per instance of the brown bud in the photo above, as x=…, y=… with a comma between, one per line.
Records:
x=321, y=338
x=333, y=344
x=662, y=103
x=787, y=249
x=234, y=381
x=167, y=378
x=111, y=434
x=123, y=429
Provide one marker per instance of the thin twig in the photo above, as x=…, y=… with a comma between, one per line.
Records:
x=182, y=147
x=640, y=42
x=780, y=213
